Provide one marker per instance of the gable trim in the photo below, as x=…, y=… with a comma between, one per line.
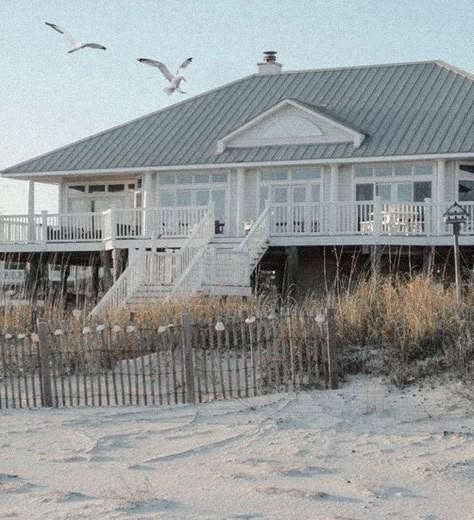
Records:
x=357, y=136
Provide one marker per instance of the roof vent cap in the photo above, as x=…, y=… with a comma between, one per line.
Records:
x=269, y=65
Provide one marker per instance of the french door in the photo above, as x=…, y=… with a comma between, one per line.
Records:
x=293, y=208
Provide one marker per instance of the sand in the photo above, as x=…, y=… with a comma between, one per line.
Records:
x=363, y=451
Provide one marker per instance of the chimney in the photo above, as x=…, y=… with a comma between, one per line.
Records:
x=269, y=65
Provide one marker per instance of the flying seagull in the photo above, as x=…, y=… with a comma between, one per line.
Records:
x=75, y=45
x=174, y=79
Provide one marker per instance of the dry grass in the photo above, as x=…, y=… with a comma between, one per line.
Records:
x=402, y=319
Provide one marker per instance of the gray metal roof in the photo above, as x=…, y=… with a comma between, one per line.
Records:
x=404, y=109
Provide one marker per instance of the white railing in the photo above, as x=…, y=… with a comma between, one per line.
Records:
x=73, y=227
x=123, y=288
x=20, y=228
x=191, y=253
x=353, y=218
x=257, y=238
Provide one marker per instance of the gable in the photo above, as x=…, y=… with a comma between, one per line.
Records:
x=291, y=123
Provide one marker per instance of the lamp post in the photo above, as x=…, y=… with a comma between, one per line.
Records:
x=456, y=215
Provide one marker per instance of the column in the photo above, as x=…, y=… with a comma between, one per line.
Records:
x=31, y=210
x=240, y=202
x=148, y=203
x=440, y=200
x=333, y=197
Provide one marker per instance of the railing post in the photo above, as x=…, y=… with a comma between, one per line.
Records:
x=44, y=227
x=378, y=207
x=428, y=217
x=188, y=358
x=45, y=362
x=113, y=225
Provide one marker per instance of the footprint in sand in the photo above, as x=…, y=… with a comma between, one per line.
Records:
x=12, y=483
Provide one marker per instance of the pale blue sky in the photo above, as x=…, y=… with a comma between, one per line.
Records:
x=51, y=98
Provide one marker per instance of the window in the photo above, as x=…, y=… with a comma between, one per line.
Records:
x=393, y=170
x=364, y=192
x=78, y=188
x=306, y=175
x=466, y=190
x=277, y=175
x=466, y=183
x=421, y=191
x=97, y=188
x=167, y=198
x=115, y=188
x=199, y=178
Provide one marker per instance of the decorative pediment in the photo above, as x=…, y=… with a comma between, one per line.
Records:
x=291, y=122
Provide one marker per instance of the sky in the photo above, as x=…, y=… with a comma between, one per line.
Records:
x=50, y=98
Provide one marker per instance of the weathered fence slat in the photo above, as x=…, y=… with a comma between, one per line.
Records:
x=186, y=362
x=212, y=360
x=220, y=360
x=46, y=394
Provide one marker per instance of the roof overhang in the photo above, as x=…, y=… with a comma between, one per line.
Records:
x=212, y=166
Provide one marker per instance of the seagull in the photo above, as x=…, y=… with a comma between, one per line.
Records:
x=75, y=45
x=174, y=79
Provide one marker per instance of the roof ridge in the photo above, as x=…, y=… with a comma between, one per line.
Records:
x=453, y=68
x=376, y=65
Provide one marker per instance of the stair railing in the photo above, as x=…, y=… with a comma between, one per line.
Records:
x=128, y=281
x=190, y=273
x=256, y=241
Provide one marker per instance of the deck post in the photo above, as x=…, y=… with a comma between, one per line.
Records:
x=31, y=210
x=428, y=217
x=44, y=227
x=148, y=204
x=333, y=196
x=240, y=203
x=440, y=196
x=378, y=208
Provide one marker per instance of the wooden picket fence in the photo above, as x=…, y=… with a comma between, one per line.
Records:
x=178, y=363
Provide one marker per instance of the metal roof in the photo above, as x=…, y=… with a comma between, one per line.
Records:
x=404, y=109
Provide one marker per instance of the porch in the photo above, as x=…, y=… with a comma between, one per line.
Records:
x=290, y=223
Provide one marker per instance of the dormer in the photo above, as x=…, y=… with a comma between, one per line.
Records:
x=291, y=122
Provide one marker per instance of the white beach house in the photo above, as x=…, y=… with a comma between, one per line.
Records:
x=195, y=195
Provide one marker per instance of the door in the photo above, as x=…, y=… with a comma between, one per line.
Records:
x=294, y=208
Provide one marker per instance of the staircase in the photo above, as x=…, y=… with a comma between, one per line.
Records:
x=207, y=264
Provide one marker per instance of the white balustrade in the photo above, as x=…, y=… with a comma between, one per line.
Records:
x=74, y=227
x=256, y=241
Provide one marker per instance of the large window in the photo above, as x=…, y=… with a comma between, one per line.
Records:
x=402, y=182
x=296, y=185
x=99, y=196
x=195, y=190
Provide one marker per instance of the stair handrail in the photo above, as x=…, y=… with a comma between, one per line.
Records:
x=125, y=284
x=258, y=235
x=192, y=253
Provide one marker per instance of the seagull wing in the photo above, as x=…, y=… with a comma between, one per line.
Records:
x=154, y=63
x=69, y=37
x=184, y=64
x=94, y=46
